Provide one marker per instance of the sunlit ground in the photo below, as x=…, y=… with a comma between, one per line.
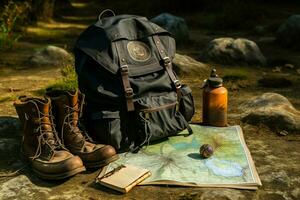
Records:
x=79, y=5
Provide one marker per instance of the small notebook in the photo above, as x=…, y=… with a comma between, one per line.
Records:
x=123, y=178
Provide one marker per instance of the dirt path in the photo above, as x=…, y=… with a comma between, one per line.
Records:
x=17, y=77
x=277, y=158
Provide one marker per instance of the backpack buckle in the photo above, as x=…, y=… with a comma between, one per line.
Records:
x=124, y=69
x=129, y=93
x=166, y=60
x=177, y=84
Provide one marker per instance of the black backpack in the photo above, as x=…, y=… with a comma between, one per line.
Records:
x=133, y=97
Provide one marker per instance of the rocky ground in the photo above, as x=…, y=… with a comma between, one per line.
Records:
x=271, y=122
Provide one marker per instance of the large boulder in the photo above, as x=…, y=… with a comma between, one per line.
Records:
x=185, y=65
x=51, y=56
x=234, y=51
x=288, y=33
x=272, y=110
x=175, y=25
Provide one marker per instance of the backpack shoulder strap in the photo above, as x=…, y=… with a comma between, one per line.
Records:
x=166, y=60
x=168, y=65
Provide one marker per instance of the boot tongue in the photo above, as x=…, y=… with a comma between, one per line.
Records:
x=44, y=108
x=73, y=102
x=73, y=99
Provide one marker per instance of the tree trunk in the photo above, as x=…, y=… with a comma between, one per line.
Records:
x=42, y=10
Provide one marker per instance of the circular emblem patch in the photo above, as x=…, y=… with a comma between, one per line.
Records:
x=138, y=51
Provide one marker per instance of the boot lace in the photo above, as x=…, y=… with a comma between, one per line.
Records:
x=47, y=136
x=72, y=122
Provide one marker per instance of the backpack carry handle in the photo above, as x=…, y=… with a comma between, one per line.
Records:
x=106, y=11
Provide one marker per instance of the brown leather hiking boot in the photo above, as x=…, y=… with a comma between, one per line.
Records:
x=40, y=144
x=67, y=107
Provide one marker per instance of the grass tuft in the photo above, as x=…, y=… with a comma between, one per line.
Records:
x=7, y=98
x=235, y=75
x=67, y=82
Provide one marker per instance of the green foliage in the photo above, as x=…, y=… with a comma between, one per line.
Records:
x=69, y=72
x=7, y=98
x=9, y=17
x=67, y=82
x=64, y=84
x=7, y=37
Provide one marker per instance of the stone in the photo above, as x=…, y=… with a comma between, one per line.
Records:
x=272, y=110
x=234, y=51
x=9, y=126
x=8, y=145
x=289, y=66
x=51, y=56
x=184, y=65
x=283, y=133
x=288, y=32
x=174, y=24
x=206, y=151
x=276, y=69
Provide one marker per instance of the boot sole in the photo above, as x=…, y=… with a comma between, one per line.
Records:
x=101, y=163
x=59, y=176
x=51, y=176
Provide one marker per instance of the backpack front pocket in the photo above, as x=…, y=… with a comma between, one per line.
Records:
x=186, y=103
x=157, y=118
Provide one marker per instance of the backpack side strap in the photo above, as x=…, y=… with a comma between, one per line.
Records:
x=125, y=78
